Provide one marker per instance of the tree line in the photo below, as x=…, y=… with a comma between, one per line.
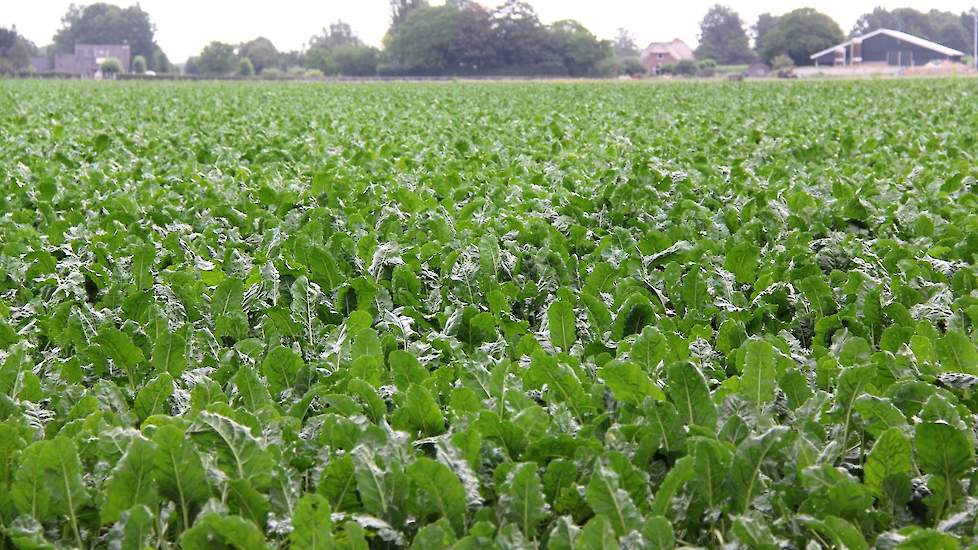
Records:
x=465, y=38
x=794, y=36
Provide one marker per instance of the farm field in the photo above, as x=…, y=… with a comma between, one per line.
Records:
x=488, y=315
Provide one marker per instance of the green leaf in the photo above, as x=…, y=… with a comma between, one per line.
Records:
x=419, y=413
x=688, y=390
x=434, y=536
x=312, y=524
x=597, y=534
x=119, y=347
x=215, y=530
x=758, y=382
x=521, y=498
x=682, y=472
x=745, y=481
x=890, y=455
x=605, y=496
x=245, y=501
x=152, y=398
x=178, y=471
x=134, y=530
x=649, y=349
x=28, y=490
x=628, y=383
x=658, y=533
x=240, y=455
x=840, y=532
x=131, y=482
x=280, y=368
x=563, y=324
x=957, y=352
x=253, y=394
x=26, y=533
x=561, y=381
x=170, y=352
x=338, y=484
x=229, y=317
x=943, y=450
x=373, y=483
x=741, y=260
x=440, y=491
x=142, y=266
x=305, y=297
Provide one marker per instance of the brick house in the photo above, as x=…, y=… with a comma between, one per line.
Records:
x=88, y=57
x=659, y=54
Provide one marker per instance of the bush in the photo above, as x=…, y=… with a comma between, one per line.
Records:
x=706, y=67
x=782, y=62
x=139, y=64
x=246, y=68
x=272, y=72
x=161, y=63
x=686, y=67
x=353, y=60
x=296, y=71
x=313, y=73
x=110, y=67
x=633, y=66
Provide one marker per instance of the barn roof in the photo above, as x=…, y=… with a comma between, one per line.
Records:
x=677, y=49
x=899, y=35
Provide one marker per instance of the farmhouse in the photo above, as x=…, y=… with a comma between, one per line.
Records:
x=885, y=47
x=85, y=61
x=659, y=54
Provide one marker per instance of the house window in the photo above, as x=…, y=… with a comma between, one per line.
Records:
x=658, y=56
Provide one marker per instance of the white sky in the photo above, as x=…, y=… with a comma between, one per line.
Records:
x=185, y=26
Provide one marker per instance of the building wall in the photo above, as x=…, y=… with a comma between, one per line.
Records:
x=88, y=57
x=887, y=49
x=882, y=48
x=653, y=62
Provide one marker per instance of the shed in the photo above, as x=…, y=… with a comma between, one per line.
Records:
x=886, y=47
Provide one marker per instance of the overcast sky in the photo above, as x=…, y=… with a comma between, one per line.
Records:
x=185, y=26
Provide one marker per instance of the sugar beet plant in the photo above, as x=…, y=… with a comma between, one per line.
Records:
x=488, y=316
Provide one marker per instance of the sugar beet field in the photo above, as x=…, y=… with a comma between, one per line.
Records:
x=566, y=316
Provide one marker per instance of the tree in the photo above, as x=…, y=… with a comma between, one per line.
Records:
x=782, y=62
x=624, y=43
x=520, y=38
x=102, y=23
x=632, y=66
x=723, y=38
x=217, y=58
x=442, y=40
x=192, y=66
x=139, y=64
x=352, y=60
x=685, y=67
x=15, y=51
x=400, y=9
x=338, y=34
x=800, y=33
x=161, y=62
x=246, y=67
x=110, y=67
x=261, y=52
x=765, y=22
x=580, y=51
x=943, y=27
